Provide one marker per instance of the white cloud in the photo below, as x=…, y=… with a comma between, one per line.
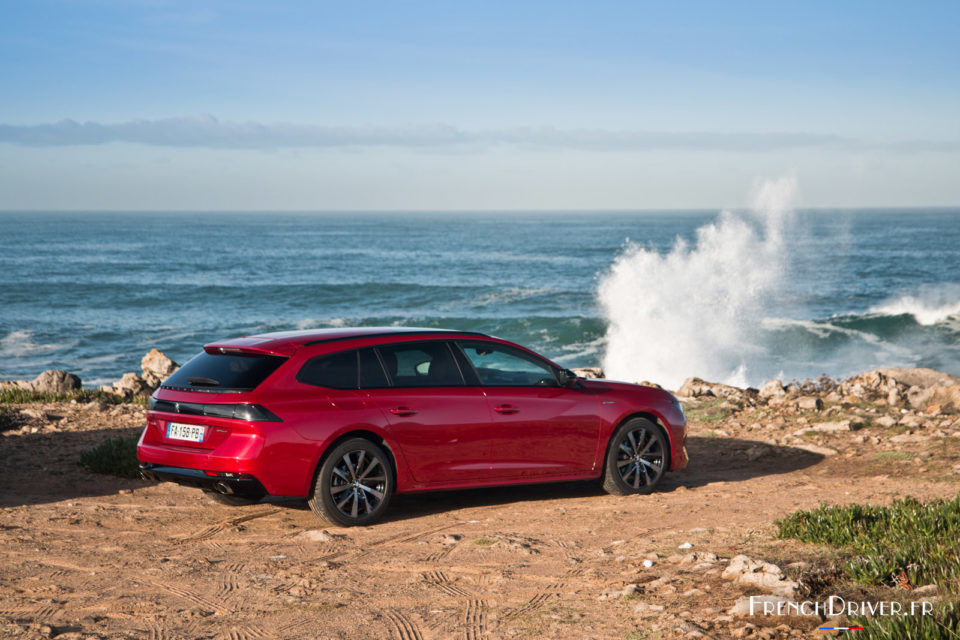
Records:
x=208, y=132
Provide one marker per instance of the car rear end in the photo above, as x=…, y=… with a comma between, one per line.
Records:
x=205, y=427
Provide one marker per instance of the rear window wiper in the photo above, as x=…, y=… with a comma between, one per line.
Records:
x=203, y=382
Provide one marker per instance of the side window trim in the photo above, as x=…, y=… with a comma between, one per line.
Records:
x=383, y=366
x=465, y=365
x=456, y=362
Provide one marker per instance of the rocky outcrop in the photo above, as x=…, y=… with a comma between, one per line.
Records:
x=589, y=372
x=52, y=381
x=916, y=388
x=699, y=388
x=155, y=368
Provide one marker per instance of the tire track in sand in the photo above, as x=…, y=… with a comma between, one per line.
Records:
x=401, y=627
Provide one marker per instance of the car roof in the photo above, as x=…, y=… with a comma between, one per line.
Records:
x=287, y=342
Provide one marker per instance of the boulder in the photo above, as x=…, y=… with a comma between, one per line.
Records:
x=809, y=403
x=768, y=577
x=699, y=388
x=916, y=387
x=772, y=389
x=129, y=386
x=589, y=372
x=156, y=367
x=52, y=381
x=923, y=378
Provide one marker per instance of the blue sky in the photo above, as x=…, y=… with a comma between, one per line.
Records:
x=458, y=105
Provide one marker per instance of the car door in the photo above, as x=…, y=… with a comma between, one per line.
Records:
x=441, y=424
x=538, y=427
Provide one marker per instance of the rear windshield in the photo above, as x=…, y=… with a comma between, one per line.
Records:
x=224, y=372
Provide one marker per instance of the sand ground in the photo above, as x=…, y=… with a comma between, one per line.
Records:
x=93, y=556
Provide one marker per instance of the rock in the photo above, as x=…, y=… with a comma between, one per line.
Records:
x=647, y=608
x=809, y=403
x=926, y=590
x=320, y=535
x=156, y=367
x=947, y=397
x=450, y=539
x=700, y=557
x=129, y=386
x=51, y=381
x=923, y=378
x=685, y=545
x=886, y=421
x=812, y=448
x=614, y=594
x=744, y=631
x=766, y=576
x=589, y=372
x=758, y=451
x=773, y=389
x=829, y=427
x=698, y=388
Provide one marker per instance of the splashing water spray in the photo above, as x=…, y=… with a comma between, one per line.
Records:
x=696, y=310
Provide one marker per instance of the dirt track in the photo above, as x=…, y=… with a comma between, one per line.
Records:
x=91, y=556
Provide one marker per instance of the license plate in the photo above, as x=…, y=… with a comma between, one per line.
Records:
x=191, y=432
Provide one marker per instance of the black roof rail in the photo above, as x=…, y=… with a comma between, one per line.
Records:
x=384, y=334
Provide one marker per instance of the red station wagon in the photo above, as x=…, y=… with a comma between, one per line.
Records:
x=345, y=418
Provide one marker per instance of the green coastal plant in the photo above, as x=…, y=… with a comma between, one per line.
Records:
x=16, y=395
x=116, y=456
x=908, y=544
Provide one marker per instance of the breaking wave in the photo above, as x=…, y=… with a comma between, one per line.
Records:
x=696, y=310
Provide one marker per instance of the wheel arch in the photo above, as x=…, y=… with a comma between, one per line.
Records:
x=366, y=434
x=658, y=423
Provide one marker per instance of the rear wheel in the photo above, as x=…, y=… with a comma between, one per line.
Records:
x=354, y=484
x=636, y=458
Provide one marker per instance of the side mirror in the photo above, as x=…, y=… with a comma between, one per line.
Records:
x=566, y=377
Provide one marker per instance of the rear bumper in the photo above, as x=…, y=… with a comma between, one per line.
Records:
x=237, y=484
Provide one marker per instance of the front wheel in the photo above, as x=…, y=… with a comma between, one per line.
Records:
x=636, y=458
x=354, y=484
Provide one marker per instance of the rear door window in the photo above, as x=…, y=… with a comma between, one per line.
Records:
x=334, y=371
x=224, y=372
x=354, y=369
x=421, y=364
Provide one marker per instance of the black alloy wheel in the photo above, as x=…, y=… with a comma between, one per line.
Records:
x=354, y=484
x=636, y=458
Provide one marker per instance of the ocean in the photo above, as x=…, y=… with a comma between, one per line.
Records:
x=740, y=296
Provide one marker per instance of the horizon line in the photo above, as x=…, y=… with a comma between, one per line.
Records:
x=703, y=209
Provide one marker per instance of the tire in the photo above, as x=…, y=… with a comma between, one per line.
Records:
x=637, y=457
x=354, y=484
x=233, y=501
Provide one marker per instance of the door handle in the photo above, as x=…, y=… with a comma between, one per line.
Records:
x=403, y=411
x=506, y=409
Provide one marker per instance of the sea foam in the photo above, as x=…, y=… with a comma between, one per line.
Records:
x=929, y=307
x=696, y=310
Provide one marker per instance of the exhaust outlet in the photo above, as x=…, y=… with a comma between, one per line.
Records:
x=224, y=488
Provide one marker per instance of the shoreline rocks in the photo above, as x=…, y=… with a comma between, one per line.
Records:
x=50, y=381
x=155, y=367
